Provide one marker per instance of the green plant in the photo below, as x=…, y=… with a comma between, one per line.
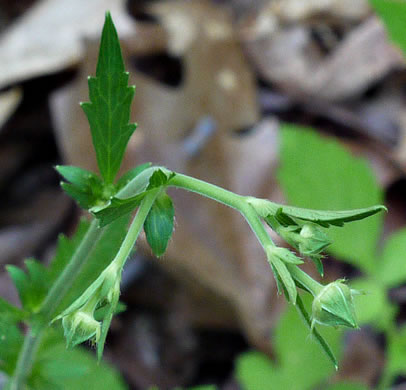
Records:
x=303, y=151
x=78, y=284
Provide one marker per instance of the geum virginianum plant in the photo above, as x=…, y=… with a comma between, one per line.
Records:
x=144, y=188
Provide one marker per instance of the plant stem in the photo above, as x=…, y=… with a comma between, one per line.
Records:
x=25, y=359
x=242, y=204
x=51, y=301
x=135, y=229
x=208, y=190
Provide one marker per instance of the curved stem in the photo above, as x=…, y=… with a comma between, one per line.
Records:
x=25, y=359
x=51, y=301
x=135, y=229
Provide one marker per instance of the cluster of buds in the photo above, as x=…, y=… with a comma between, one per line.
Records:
x=333, y=304
x=78, y=320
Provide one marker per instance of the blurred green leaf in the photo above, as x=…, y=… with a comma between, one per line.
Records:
x=32, y=286
x=63, y=369
x=159, y=224
x=11, y=340
x=391, y=268
x=393, y=14
x=348, y=386
x=299, y=365
x=100, y=257
x=319, y=173
x=372, y=305
x=108, y=111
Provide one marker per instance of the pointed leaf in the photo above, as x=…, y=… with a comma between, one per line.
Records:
x=317, y=336
x=286, y=279
x=108, y=111
x=159, y=224
x=85, y=187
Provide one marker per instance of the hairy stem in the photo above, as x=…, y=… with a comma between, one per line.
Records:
x=54, y=297
x=25, y=359
x=135, y=229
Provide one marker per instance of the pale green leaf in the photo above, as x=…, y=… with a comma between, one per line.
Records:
x=393, y=14
x=391, y=269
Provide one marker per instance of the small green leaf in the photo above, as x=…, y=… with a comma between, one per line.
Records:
x=393, y=14
x=319, y=173
x=10, y=312
x=32, y=286
x=391, y=268
x=85, y=187
x=108, y=111
x=159, y=224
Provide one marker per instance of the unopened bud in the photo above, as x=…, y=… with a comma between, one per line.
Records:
x=312, y=240
x=79, y=327
x=334, y=306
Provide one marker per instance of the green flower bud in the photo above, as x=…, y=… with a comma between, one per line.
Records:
x=334, y=306
x=312, y=240
x=79, y=327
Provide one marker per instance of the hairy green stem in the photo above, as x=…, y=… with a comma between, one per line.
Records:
x=51, y=301
x=25, y=359
x=135, y=229
x=242, y=204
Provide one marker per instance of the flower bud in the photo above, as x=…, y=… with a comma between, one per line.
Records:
x=333, y=306
x=312, y=240
x=79, y=327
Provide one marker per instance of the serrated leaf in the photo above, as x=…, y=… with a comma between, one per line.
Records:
x=65, y=249
x=63, y=369
x=319, y=173
x=100, y=257
x=108, y=111
x=159, y=224
x=391, y=268
x=32, y=286
x=85, y=187
x=11, y=313
x=393, y=14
